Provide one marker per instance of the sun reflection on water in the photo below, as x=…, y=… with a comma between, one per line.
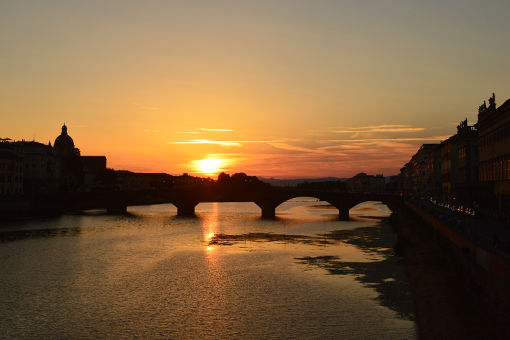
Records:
x=210, y=227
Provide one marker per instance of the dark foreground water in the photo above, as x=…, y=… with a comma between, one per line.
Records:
x=225, y=274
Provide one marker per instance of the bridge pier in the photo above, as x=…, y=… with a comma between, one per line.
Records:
x=268, y=209
x=117, y=210
x=343, y=214
x=186, y=209
x=268, y=212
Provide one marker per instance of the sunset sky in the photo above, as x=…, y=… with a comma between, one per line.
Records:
x=272, y=88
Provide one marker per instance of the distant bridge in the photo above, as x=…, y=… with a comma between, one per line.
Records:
x=268, y=199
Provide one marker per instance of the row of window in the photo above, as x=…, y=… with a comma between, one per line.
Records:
x=10, y=190
x=499, y=135
x=10, y=166
x=462, y=153
x=495, y=170
x=10, y=179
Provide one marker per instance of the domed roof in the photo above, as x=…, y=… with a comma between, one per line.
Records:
x=64, y=145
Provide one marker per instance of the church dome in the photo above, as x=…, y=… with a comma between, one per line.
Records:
x=64, y=145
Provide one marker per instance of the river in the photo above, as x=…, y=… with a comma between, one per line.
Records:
x=225, y=274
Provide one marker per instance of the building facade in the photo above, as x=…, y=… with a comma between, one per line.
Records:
x=366, y=183
x=494, y=151
x=39, y=166
x=11, y=171
x=470, y=168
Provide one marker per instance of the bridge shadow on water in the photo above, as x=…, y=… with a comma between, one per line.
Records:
x=385, y=273
x=18, y=235
x=386, y=276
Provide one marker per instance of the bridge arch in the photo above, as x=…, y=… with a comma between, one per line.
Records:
x=343, y=201
x=269, y=204
x=341, y=212
x=186, y=200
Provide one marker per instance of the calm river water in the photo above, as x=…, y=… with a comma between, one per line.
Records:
x=224, y=274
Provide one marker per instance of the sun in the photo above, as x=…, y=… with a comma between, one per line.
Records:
x=210, y=165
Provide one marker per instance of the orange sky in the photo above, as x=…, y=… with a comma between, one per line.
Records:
x=273, y=88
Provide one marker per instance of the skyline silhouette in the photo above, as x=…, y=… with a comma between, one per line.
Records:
x=161, y=86
x=213, y=164
x=255, y=169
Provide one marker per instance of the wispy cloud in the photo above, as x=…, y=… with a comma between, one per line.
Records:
x=379, y=128
x=299, y=149
x=216, y=130
x=188, y=132
x=219, y=142
x=412, y=139
x=376, y=148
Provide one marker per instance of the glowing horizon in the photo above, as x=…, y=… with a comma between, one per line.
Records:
x=281, y=89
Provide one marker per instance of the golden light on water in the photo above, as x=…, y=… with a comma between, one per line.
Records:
x=210, y=227
x=210, y=236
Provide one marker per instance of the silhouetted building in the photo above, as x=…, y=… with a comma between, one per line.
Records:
x=11, y=170
x=474, y=164
x=94, y=168
x=366, y=183
x=449, y=167
x=494, y=151
x=39, y=166
x=459, y=164
x=467, y=154
x=64, y=144
x=127, y=180
x=392, y=183
x=46, y=169
x=424, y=178
x=465, y=187
x=186, y=181
x=69, y=167
x=437, y=173
x=406, y=185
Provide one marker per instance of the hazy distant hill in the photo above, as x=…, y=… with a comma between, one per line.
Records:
x=294, y=182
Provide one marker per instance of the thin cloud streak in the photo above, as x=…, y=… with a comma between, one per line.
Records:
x=384, y=148
x=216, y=130
x=363, y=140
x=385, y=126
x=219, y=142
x=290, y=147
x=398, y=129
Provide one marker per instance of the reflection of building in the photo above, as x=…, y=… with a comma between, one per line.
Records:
x=494, y=150
x=11, y=170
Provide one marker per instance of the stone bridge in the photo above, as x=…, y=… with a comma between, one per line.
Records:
x=268, y=199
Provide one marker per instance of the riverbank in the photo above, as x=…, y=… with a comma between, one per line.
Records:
x=449, y=304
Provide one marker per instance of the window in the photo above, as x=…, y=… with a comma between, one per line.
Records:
x=508, y=168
